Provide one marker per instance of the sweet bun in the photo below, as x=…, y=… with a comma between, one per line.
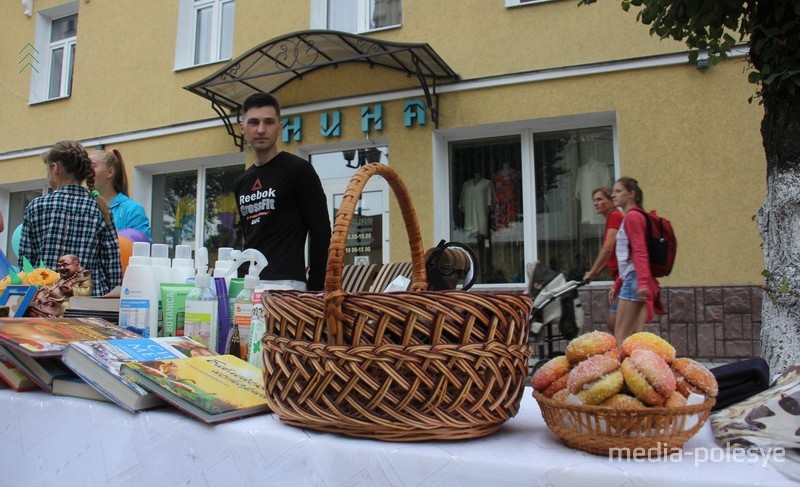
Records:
x=595, y=379
x=561, y=395
x=623, y=401
x=676, y=400
x=648, y=377
x=693, y=377
x=645, y=340
x=590, y=344
x=552, y=376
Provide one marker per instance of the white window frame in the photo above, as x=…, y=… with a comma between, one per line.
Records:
x=40, y=77
x=319, y=17
x=522, y=3
x=185, y=47
x=526, y=129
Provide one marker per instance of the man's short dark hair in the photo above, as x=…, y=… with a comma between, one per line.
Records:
x=257, y=100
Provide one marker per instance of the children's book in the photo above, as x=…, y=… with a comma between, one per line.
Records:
x=211, y=389
x=42, y=371
x=98, y=363
x=47, y=337
x=18, y=381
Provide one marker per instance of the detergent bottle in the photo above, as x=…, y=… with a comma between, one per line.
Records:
x=201, y=305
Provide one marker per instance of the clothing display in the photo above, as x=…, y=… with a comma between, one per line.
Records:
x=280, y=203
x=68, y=221
x=507, y=206
x=129, y=214
x=477, y=199
x=184, y=219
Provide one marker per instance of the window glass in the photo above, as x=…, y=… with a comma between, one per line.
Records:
x=568, y=166
x=64, y=28
x=385, y=13
x=17, y=202
x=221, y=218
x=486, y=205
x=56, y=65
x=343, y=15
x=226, y=31
x=202, y=36
x=175, y=199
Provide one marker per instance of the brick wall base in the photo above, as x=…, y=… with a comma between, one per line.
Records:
x=708, y=323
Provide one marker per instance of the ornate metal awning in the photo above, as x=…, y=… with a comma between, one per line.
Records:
x=271, y=66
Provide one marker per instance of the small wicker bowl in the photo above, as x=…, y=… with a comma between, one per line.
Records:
x=648, y=432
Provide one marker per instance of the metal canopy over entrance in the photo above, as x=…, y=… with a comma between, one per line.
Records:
x=271, y=66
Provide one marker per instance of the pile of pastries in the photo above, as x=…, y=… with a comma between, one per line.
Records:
x=642, y=372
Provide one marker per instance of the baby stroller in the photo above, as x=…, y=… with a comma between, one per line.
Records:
x=556, y=305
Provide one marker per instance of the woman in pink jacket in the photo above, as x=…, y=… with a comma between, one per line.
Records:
x=635, y=287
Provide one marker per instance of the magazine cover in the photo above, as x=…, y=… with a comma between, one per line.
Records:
x=47, y=337
x=99, y=362
x=213, y=389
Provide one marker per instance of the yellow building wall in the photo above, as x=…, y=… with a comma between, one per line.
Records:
x=689, y=136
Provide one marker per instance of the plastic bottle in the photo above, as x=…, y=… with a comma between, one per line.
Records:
x=201, y=305
x=243, y=302
x=138, y=303
x=224, y=263
x=182, y=265
x=159, y=262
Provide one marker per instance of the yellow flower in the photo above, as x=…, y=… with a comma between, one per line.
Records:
x=6, y=281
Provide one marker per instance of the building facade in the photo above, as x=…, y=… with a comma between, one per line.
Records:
x=529, y=106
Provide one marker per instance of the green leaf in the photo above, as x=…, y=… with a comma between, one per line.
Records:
x=14, y=278
x=766, y=273
x=754, y=77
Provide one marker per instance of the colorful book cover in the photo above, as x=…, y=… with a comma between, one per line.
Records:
x=47, y=337
x=212, y=389
x=99, y=362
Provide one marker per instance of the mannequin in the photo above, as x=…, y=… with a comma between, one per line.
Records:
x=477, y=201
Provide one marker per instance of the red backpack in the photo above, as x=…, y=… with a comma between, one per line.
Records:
x=661, y=244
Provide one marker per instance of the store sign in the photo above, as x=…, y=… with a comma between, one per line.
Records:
x=330, y=123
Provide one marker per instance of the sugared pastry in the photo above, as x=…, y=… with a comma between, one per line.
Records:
x=623, y=401
x=561, y=395
x=648, y=377
x=676, y=400
x=552, y=376
x=692, y=376
x=645, y=340
x=595, y=379
x=590, y=344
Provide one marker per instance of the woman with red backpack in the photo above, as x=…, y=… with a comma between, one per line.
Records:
x=635, y=288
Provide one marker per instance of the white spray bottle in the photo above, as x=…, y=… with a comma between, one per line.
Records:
x=138, y=302
x=243, y=302
x=201, y=305
x=182, y=265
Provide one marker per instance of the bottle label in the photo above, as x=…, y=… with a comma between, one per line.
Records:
x=134, y=314
x=201, y=322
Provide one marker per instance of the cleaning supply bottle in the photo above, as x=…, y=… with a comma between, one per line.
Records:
x=138, y=302
x=243, y=302
x=159, y=262
x=182, y=265
x=201, y=305
x=225, y=261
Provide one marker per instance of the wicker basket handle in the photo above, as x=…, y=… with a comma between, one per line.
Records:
x=334, y=295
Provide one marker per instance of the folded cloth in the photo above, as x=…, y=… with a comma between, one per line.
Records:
x=740, y=380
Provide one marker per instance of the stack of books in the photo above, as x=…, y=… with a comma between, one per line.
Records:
x=88, y=306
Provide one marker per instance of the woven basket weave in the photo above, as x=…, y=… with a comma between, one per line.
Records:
x=648, y=432
x=401, y=366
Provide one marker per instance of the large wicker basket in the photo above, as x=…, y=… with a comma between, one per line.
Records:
x=399, y=366
x=648, y=432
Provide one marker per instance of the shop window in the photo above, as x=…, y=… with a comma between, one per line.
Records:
x=177, y=203
x=356, y=16
x=17, y=202
x=568, y=166
x=489, y=180
x=205, y=32
x=55, y=41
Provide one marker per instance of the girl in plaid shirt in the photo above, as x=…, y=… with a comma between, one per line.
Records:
x=72, y=220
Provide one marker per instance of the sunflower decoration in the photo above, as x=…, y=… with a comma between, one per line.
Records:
x=41, y=276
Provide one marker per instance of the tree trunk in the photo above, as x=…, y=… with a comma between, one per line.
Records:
x=779, y=222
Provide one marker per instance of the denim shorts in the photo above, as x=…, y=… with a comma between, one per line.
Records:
x=629, y=288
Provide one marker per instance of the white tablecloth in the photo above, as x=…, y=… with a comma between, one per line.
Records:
x=50, y=440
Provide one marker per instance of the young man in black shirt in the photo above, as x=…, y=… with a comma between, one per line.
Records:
x=281, y=202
